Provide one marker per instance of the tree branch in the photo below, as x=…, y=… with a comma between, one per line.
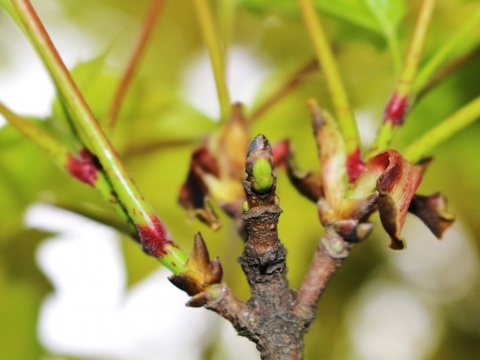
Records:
x=331, y=251
x=292, y=83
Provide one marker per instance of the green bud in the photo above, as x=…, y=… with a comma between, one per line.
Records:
x=245, y=206
x=262, y=176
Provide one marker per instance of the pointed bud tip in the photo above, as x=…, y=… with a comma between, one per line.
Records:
x=199, y=255
x=259, y=143
x=397, y=244
x=186, y=283
x=215, y=273
x=396, y=109
x=317, y=115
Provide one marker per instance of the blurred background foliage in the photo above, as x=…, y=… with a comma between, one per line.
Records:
x=159, y=127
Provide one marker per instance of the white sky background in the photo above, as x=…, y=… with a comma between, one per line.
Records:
x=91, y=313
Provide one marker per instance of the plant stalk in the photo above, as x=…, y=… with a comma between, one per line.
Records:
x=397, y=107
x=149, y=22
x=154, y=235
x=423, y=146
x=343, y=111
x=217, y=55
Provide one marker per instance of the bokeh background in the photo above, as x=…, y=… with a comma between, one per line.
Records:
x=71, y=288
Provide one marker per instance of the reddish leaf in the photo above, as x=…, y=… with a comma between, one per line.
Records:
x=397, y=182
x=216, y=172
x=331, y=151
x=194, y=192
x=281, y=152
x=308, y=183
x=355, y=165
x=432, y=210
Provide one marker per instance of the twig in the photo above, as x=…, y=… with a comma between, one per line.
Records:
x=420, y=148
x=323, y=266
x=343, y=111
x=447, y=70
x=217, y=55
x=155, y=237
x=226, y=20
x=397, y=106
x=81, y=166
x=432, y=65
x=267, y=318
x=293, y=82
x=148, y=25
x=141, y=149
x=96, y=214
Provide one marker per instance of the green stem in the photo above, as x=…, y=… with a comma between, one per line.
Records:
x=448, y=47
x=42, y=139
x=153, y=233
x=95, y=213
x=325, y=57
x=153, y=13
x=7, y=5
x=446, y=70
x=392, y=43
x=226, y=19
x=397, y=106
x=78, y=167
x=286, y=88
x=217, y=56
x=420, y=148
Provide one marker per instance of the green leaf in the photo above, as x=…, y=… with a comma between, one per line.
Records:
x=23, y=287
x=151, y=112
x=23, y=171
x=97, y=83
x=388, y=13
x=357, y=12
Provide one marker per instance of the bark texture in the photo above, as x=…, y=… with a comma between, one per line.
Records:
x=275, y=317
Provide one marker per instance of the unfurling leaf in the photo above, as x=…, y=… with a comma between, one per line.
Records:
x=194, y=192
x=307, y=183
x=281, y=152
x=232, y=145
x=216, y=171
x=432, y=210
x=397, y=182
x=331, y=151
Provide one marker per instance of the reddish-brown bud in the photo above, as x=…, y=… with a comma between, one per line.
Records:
x=85, y=167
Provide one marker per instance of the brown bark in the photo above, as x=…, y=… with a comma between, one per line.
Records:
x=275, y=317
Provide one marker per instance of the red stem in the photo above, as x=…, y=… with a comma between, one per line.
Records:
x=145, y=34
